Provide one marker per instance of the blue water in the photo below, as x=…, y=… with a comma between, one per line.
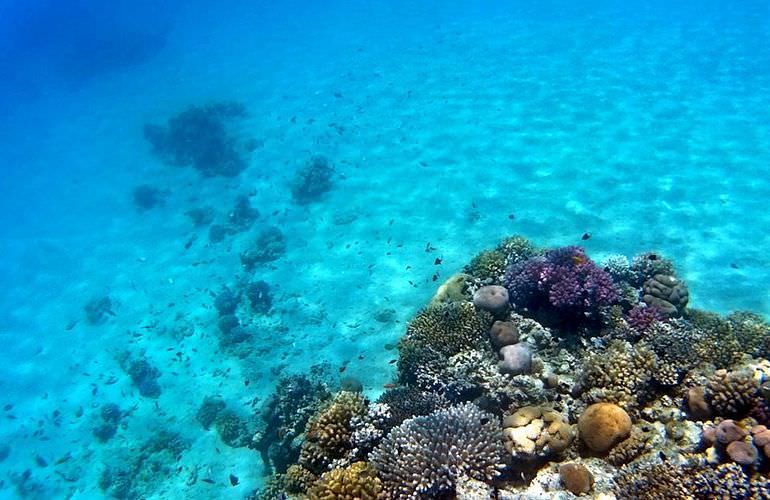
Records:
x=644, y=124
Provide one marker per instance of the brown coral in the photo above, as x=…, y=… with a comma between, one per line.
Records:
x=602, y=425
x=619, y=374
x=328, y=433
x=634, y=446
x=732, y=394
x=358, y=481
x=667, y=293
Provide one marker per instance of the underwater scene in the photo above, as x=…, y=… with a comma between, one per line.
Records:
x=401, y=249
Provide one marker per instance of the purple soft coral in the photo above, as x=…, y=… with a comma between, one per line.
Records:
x=566, y=277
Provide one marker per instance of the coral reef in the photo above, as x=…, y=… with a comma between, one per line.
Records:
x=200, y=137
x=423, y=457
x=312, y=181
x=270, y=245
x=489, y=266
x=145, y=377
x=284, y=416
x=645, y=398
x=454, y=289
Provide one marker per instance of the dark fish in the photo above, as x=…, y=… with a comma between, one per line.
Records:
x=71, y=325
x=511, y=216
x=207, y=480
x=389, y=386
x=585, y=236
x=8, y=407
x=429, y=248
x=435, y=277
x=392, y=361
x=438, y=261
x=234, y=480
x=343, y=368
x=734, y=265
x=40, y=461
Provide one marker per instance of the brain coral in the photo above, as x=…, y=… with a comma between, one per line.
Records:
x=603, y=425
x=328, y=433
x=424, y=456
x=666, y=293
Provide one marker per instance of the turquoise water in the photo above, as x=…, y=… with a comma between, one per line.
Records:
x=449, y=126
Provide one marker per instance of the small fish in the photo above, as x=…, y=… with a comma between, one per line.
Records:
x=8, y=407
x=585, y=236
x=63, y=459
x=40, y=461
x=429, y=248
x=389, y=386
x=511, y=216
x=234, y=480
x=343, y=368
x=734, y=265
x=207, y=480
x=578, y=260
x=438, y=261
x=71, y=325
x=435, y=277
x=392, y=361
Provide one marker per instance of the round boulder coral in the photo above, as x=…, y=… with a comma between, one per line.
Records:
x=517, y=359
x=603, y=425
x=492, y=298
x=503, y=333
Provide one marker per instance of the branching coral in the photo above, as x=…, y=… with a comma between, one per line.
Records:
x=358, y=481
x=409, y=401
x=424, y=456
x=732, y=394
x=620, y=374
x=564, y=279
x=440, y=331
x=676, y=346
x=489, y=266
x=329, y=432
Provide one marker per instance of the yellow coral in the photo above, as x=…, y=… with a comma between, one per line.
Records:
x=358, y=481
